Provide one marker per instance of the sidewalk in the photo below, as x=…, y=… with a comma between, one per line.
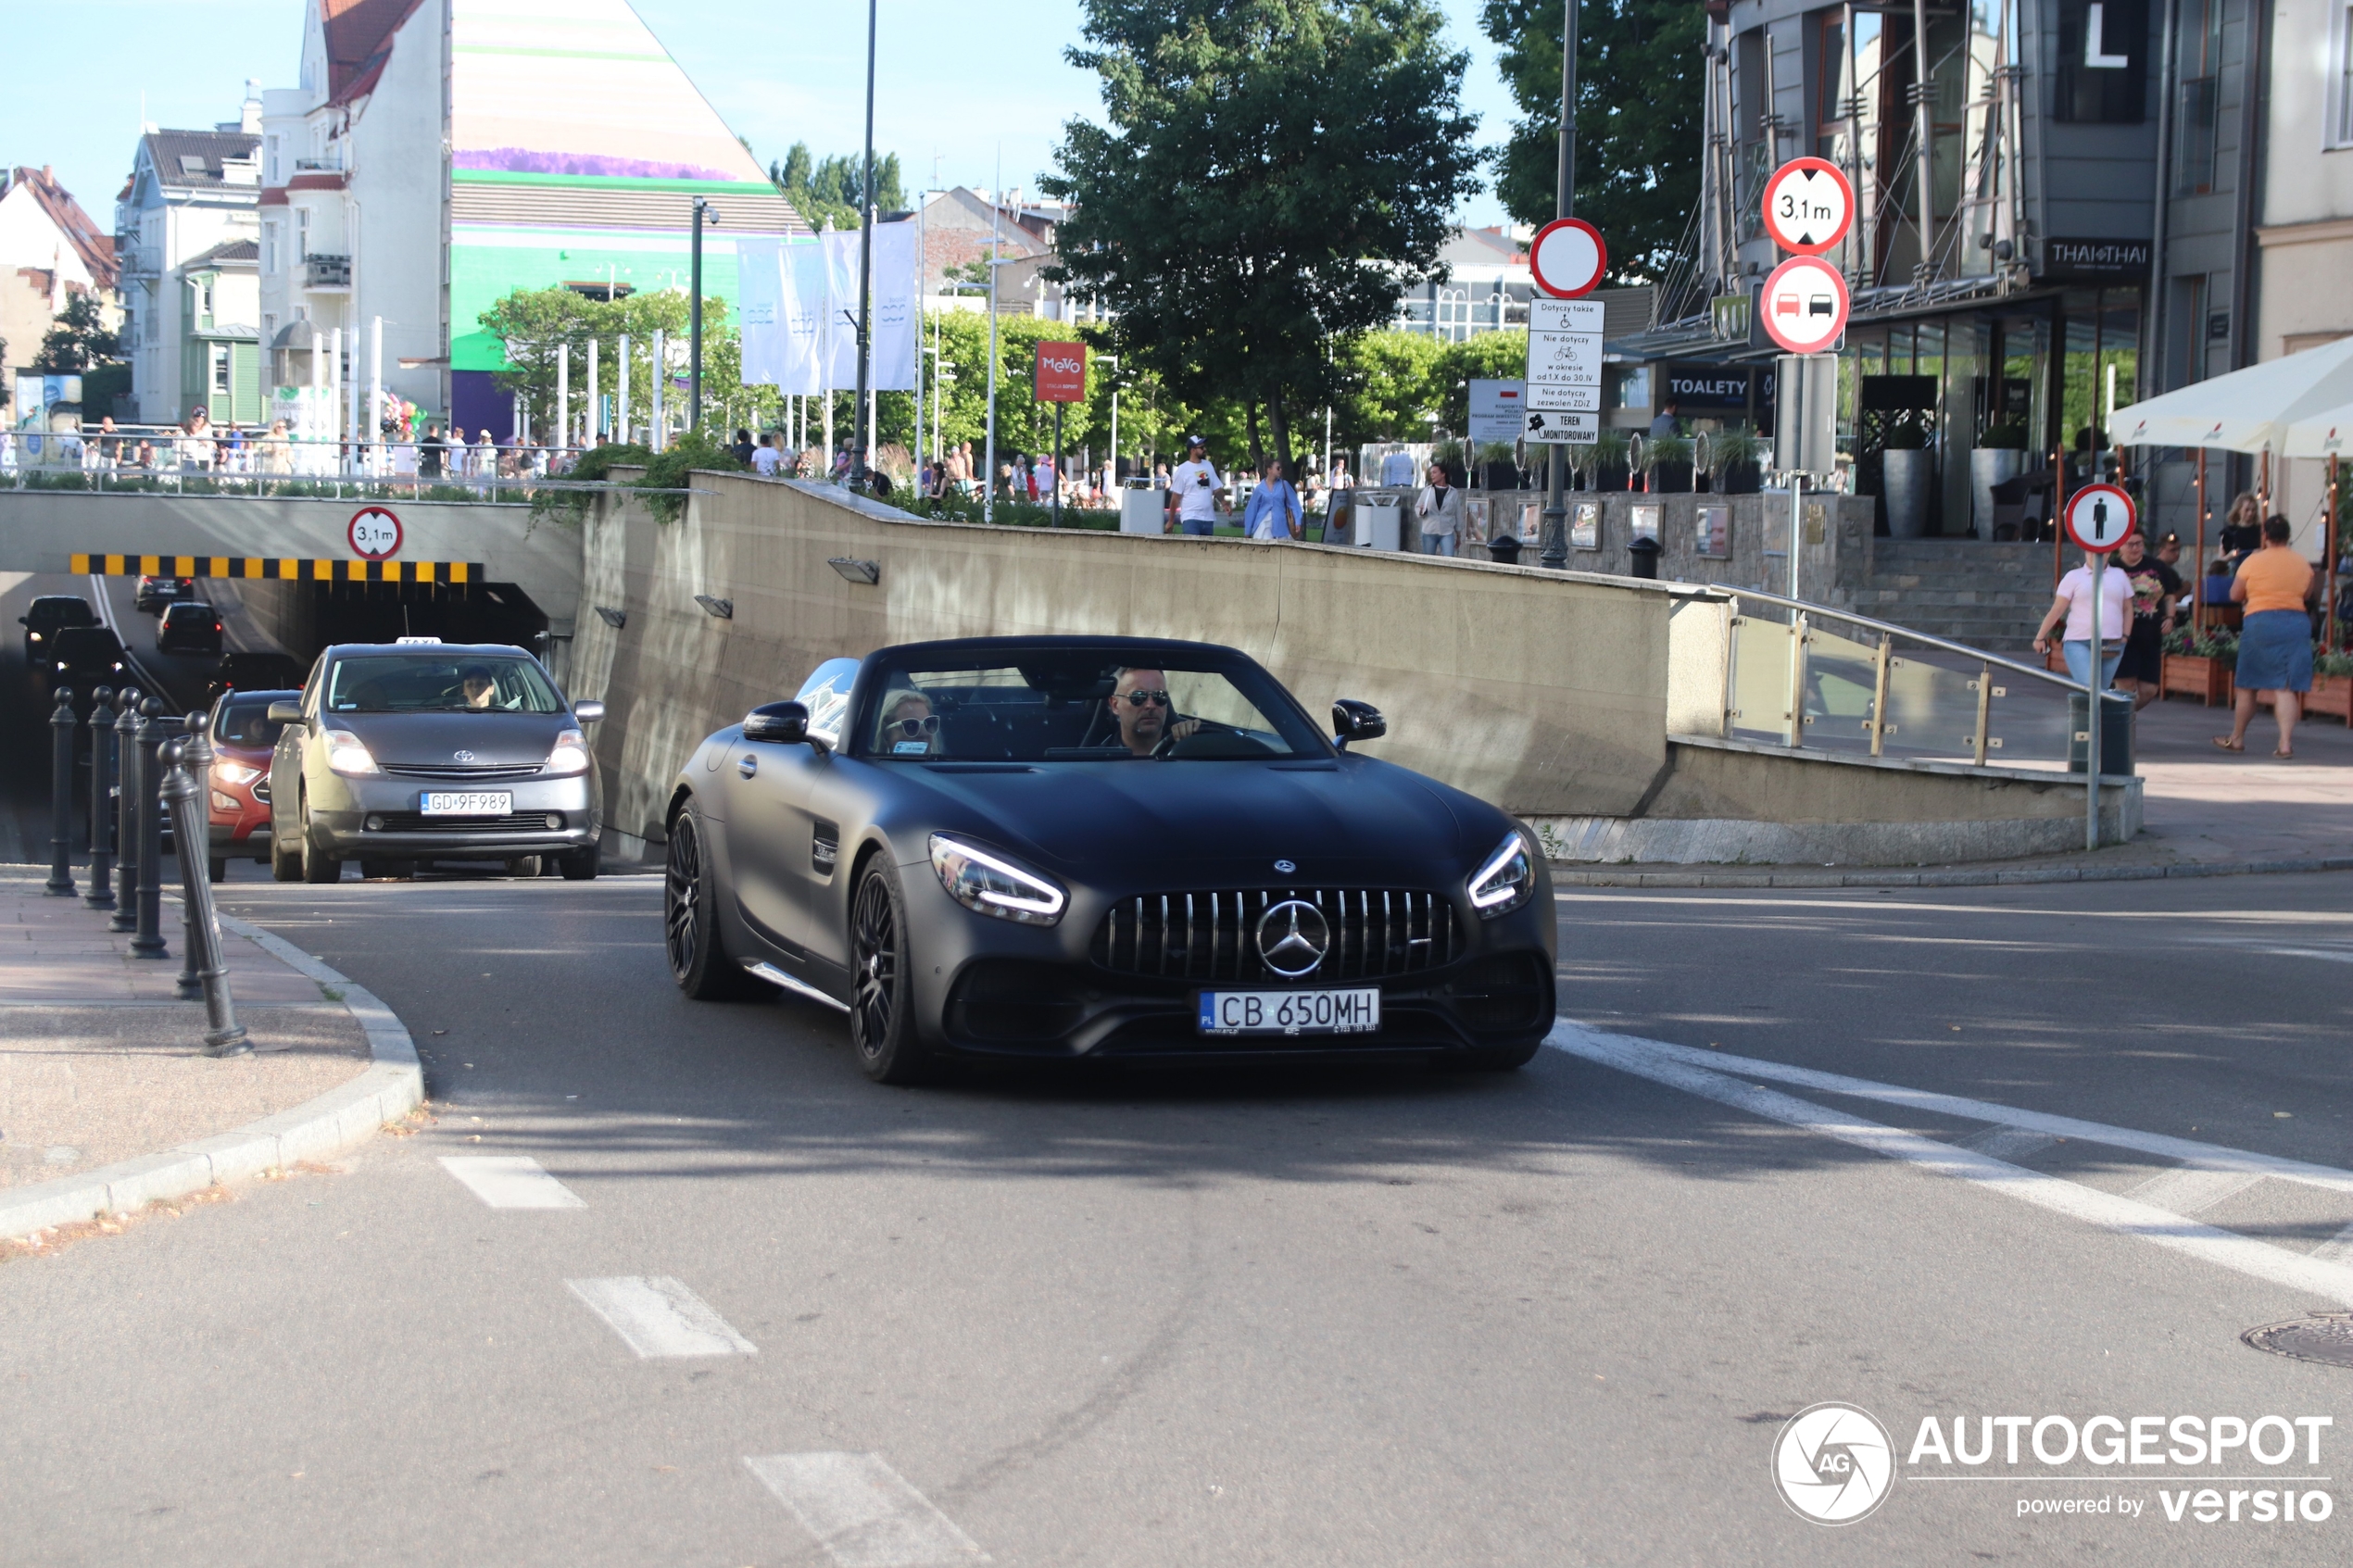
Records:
x=106, y=1095
x=2204, y=813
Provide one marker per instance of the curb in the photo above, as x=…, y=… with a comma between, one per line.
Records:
x=1567, y=875
x=336, y=1121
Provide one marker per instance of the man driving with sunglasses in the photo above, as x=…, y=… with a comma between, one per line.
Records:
x=1139, y=702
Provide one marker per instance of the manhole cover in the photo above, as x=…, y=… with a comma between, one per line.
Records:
x=2326, y=1337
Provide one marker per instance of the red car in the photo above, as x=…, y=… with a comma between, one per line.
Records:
x=243, y=738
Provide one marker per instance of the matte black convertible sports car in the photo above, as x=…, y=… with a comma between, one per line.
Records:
x=1060, y=847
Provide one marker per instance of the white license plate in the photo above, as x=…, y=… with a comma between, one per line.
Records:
x=1290, y=1013
x=469, y=803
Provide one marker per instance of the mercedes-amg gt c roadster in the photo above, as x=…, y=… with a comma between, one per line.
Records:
x=1101, y=848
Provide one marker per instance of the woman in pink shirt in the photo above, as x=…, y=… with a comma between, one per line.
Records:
x=2073, y=603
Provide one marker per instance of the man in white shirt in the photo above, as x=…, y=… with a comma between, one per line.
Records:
x=765, y=457
x=1397, y=471
x=1197, y=489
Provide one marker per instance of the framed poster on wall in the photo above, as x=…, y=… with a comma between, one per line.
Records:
x=1585, y=526
x=1645, y=522
x=1713, y=535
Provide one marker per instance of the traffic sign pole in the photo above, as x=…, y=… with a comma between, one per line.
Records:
x=2098, y=518
x=1554, y=556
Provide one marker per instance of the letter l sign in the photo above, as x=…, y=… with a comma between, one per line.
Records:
x=2096, y=54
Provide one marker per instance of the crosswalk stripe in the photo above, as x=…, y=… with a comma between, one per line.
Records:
x=658, y=1316
x=2191, y=1190
x=511, y=1181
x=864, y=1513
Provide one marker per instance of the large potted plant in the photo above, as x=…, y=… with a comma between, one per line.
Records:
x=1667, y=462
x=1999, y=454
x=1734, y=451
x=1498, y=470
x=1608, y=455
x=1907, y=468
x=2199, y=666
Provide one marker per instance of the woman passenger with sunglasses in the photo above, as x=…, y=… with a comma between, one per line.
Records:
x=910, y=728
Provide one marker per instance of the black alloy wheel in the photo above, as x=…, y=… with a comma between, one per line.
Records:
x=880, y=1022
x=698, y=961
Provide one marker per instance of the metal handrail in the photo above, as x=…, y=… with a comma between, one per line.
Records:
x=1890, y=628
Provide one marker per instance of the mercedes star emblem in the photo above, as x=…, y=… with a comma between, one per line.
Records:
x=462, y=755
x=1293, y=937
x=1286, y=867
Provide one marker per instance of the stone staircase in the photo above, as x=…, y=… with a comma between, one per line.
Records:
x=1987, y=595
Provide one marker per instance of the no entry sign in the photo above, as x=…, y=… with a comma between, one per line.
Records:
x=1804, y=303
x=1061, y=372
x=374, y=532
x=1568, y=257
x=2099, y=517
x=1808, y=206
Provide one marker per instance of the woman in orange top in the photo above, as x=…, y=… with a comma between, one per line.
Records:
x=2275, y=638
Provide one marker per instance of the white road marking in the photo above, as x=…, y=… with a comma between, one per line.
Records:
x=656, y=1316
x=2190, y=1152
x=1666, y=1064
x=2007, y=1143
x=2191, y=1190
x=862, y=1512
x=2338, y=1249
x=511, y=1181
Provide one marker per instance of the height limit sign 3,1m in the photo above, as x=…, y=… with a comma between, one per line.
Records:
x=1808, y=206
x=1564, y=370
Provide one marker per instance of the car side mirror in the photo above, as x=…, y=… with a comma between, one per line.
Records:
x=284, y=713
x=1354, y=721
x=588, y=712
x=781, y=723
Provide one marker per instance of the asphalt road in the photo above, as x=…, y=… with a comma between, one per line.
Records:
x=1185, y=1318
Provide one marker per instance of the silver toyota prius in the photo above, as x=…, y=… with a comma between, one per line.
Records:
x=400, y=754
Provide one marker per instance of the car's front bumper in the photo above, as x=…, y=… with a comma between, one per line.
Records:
x=382, y=819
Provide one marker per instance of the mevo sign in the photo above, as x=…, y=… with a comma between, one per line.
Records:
x=1061, y=372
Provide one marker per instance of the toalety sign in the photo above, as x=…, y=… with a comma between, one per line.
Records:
x=1834, y=1465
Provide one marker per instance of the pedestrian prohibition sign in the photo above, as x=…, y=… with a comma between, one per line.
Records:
x=1808, y=206
x=2099, y=517
x=1804, y=303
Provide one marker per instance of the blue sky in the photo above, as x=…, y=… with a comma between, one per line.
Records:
x=948, y=90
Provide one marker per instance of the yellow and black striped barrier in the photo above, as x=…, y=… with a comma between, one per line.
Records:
x=281, y=568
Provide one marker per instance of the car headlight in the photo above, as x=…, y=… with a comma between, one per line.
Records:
x=1504, y=881
x=570, y=753
x=348, y=755
x=990, y=885
x=33, y=637
x=234, y=772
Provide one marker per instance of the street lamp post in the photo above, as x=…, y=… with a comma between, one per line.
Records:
x=694, y=318
x=862, y=416
x=1112, y=360
x=1555, y=550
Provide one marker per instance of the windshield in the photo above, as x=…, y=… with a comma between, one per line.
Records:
x=407, y=683
x=1078, y=708
x=245, y=721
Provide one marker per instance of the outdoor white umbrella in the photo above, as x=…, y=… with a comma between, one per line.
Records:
x=2325, y=434
x=2246, y=410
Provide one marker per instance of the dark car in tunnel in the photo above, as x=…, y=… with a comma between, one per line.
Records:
x=48, y=616
x=278, y=673
x=83, y=658
x=153, y=593
x=1087, y=848
x=405, y=754
x=190, y=626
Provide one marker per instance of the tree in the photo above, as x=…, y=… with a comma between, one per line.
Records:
x=530, y=323
x=1638, y=110
x=827, y=188
x=1270, y=173
x=78, y=340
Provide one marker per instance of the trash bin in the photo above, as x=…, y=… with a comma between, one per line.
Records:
x=2116, y=733
x=1645, y=554
x=1504, y=547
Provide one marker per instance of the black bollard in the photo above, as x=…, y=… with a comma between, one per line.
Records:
x=148, y=942
x=185, y=792
x=101, y=893
x=61, y=796
x=126, y=810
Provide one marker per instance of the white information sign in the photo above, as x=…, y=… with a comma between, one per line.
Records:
x=1569, y=428
x=1495, y=410
x=1565, y=356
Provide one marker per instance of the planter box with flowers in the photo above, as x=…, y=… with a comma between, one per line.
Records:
x=2199, y=667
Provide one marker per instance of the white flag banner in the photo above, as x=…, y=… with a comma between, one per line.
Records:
x=841, y=308
x=897, y=323
x=802, y=308
x=760, y=319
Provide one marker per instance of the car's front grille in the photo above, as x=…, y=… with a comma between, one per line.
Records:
x=1373, y=931
x=417, y=822
x=469, y=770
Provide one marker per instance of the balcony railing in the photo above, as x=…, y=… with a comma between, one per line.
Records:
x=327, y=271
